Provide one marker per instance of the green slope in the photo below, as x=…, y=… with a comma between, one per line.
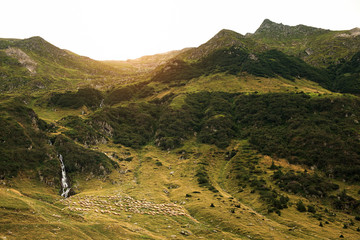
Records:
x=35, y=64
x=274, y=50
x=318, y=47
x=236, y=139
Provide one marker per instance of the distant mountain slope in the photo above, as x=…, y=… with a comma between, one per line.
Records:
x=318, y=47
x=235, y=60
x=139, y=68
x=274, y=50
x=35, y=63
x=272, y=30
x=145, y=63
x=48, y=54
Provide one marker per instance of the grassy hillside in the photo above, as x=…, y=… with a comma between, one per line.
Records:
x=227, y=165
x=132, y=204
x=318, y=47
x=276, y=124
x=236, y=60
x=28, y=143
x=240, y=138
x=34, y=64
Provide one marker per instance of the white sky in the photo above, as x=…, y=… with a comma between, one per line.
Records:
x=122, y=29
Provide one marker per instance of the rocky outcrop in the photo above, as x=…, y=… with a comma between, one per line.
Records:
x=104, y=127
x=352, y=33
x=23, y=59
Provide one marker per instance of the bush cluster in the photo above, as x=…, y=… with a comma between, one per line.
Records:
x=22, y=139
x=304, y=184
x=316, y=131
x=132, y=126
x=88, y=97
x=136, y=91
x=203, y=178
x=234, y=60
x=81, y=131
x=346, y=75
x=80, y=160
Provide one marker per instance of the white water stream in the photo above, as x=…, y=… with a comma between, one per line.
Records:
x=64, y=183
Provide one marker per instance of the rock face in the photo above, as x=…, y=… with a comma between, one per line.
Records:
x=23, y=59
x=105, y=128
x=309, y=51
x=352, y=33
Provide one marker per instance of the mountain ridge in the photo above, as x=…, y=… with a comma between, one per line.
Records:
x=223, y=39
x=271, y=29
x=317, y=47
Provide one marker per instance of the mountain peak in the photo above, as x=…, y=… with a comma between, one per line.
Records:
x=227, y=34
x=223, y=39
x=267, y=22
x=36, y=38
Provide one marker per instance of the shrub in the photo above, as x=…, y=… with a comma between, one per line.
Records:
x=83, y=97
x=311, y=209
x=300, y=206
x=158, y=163
x=81, y=160
x=140, y=90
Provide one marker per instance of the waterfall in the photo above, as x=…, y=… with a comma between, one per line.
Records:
x=64, y=183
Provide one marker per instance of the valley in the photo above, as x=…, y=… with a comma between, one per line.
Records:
x=243, y=137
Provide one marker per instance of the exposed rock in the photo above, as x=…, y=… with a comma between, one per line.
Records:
x=185, y=233
x=34, y=123
x=105, y=128
x=23, y=59
x=253, y=57
x=352, y=33
x=309, y=51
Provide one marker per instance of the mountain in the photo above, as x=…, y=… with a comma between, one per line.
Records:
x=273, y=50
x=318, y=47
x=223, y=39
x=36, y=64
x=243, y=137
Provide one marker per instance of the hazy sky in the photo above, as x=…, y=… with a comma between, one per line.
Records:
x=122, y=29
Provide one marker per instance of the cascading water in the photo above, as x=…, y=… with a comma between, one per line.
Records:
x=64, y=183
